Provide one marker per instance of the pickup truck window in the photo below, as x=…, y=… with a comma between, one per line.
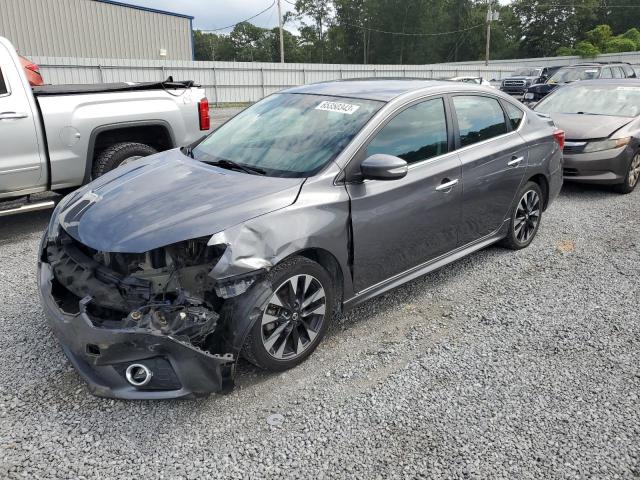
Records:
x=3, y=85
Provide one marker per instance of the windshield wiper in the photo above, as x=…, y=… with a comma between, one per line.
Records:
x=224, y=163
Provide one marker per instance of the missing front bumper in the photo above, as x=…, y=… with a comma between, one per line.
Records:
x=102, y=355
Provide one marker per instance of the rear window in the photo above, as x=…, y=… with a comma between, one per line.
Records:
x=479, y=118
x=3, y=85
x=575, y=73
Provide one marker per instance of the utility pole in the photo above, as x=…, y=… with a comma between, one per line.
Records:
x=491, y=17
x=486, y=51
x=281, y=37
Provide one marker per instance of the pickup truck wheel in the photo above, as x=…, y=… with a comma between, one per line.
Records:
x=119, y=154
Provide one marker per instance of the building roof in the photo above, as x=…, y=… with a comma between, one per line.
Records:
x=146, y=9
x=383, y=89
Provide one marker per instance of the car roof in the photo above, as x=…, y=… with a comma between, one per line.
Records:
x=381, y=89
x=629, y=82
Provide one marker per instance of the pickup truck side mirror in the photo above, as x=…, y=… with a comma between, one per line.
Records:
x=383, y=167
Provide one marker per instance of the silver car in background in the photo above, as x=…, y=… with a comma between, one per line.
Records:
x=158, y=275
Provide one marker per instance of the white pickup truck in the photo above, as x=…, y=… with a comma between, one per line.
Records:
x=56, y=138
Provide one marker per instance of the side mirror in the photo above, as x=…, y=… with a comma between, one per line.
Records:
x=383, y=167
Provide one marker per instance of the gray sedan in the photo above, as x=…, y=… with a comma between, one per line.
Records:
x=601, y=119
x=158, y=275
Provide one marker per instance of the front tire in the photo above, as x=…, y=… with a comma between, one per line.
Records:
x=526, y=215
x=120, y=154
x=294, y=318
x=632, y=177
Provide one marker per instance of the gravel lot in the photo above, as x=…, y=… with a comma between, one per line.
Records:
x=503, y=365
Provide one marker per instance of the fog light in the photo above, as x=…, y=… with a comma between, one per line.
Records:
x=138, y=374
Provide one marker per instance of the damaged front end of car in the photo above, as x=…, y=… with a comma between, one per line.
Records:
x=143, y=325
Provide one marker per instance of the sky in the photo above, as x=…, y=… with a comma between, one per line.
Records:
x=212, y=14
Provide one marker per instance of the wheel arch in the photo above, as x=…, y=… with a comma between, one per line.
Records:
x=330, y=263
x=543, y=183
x=156, y=133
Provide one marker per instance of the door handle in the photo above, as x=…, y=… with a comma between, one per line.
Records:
x=515, y=161
x=446, y=185
x=12, y=115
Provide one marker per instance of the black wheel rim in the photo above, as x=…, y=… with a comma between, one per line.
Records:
x=293, y=317
x=527, y=216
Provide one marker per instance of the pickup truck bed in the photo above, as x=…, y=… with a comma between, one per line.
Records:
x=58, y=137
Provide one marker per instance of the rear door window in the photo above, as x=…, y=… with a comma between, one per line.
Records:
x=415, y=134
x=479, y=118
x=617, y=72
x=606, y=73
x=3, y=86
x=628, y=71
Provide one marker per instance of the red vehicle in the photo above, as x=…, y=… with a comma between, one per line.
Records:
x=32, y=71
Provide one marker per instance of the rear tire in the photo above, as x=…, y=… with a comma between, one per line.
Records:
x=118, y=154
x=632, y=177
x=295, y=316
x=526, y=216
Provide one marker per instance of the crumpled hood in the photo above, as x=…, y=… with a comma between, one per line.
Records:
x=167, y=198
x=586, y=127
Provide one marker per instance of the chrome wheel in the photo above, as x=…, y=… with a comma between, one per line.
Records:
x=128, y=160
x=634, y=171
x=293, y=317
x=527, y=216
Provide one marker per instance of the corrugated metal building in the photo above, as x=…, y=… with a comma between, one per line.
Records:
x=95, y=29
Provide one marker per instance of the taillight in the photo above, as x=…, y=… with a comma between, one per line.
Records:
x=203, y=114
x=558, y=136
x=33, y=67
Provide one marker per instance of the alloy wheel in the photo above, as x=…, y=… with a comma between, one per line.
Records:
x=293, y=317
x=527, y=216
x=634, y=171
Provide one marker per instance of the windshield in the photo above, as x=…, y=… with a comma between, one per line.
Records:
x=620, y=101
x=565, y=75
x=288, y=135
x=527, y=72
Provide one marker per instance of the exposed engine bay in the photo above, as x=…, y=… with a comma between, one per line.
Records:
x=167, y=290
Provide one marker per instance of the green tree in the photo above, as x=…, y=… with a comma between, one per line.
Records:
x=547, y=25
x=633, y=34
x=320, y=11
x=586, y=49
x=599, y=36
x=565, y=51
x=619, y=44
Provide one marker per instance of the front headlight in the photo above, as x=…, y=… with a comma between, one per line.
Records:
x=608, y=144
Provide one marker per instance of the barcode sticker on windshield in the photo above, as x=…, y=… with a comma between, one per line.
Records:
x=338, y=107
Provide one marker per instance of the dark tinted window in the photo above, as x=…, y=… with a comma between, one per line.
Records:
x=479, y=118
x=3, y=86
x=515, y=115
x=415, y=134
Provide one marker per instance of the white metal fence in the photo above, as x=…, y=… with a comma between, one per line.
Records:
x=228, y=82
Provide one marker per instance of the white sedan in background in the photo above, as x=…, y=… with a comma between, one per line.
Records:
x=476, y=80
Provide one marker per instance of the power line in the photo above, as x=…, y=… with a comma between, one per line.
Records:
x=413, y=34
x=242, y=21
x=401, y=33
